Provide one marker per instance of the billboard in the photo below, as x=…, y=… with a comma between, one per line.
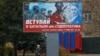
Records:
x=52, y=17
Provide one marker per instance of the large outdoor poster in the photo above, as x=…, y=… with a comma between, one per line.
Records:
x=52, y=17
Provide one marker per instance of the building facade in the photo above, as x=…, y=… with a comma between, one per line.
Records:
x=91, y=21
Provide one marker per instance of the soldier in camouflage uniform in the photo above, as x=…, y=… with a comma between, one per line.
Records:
x=26, y=13
x=37, y=15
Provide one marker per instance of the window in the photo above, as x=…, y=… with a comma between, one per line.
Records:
x=87, y=17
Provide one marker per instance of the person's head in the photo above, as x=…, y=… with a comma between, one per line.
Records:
x=43, y=10
x=49, y=12
x=74, y=10
x=36, y=9
x=38, y=46
x=59, y=6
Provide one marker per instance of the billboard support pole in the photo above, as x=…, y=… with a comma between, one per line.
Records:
x=52, y=44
